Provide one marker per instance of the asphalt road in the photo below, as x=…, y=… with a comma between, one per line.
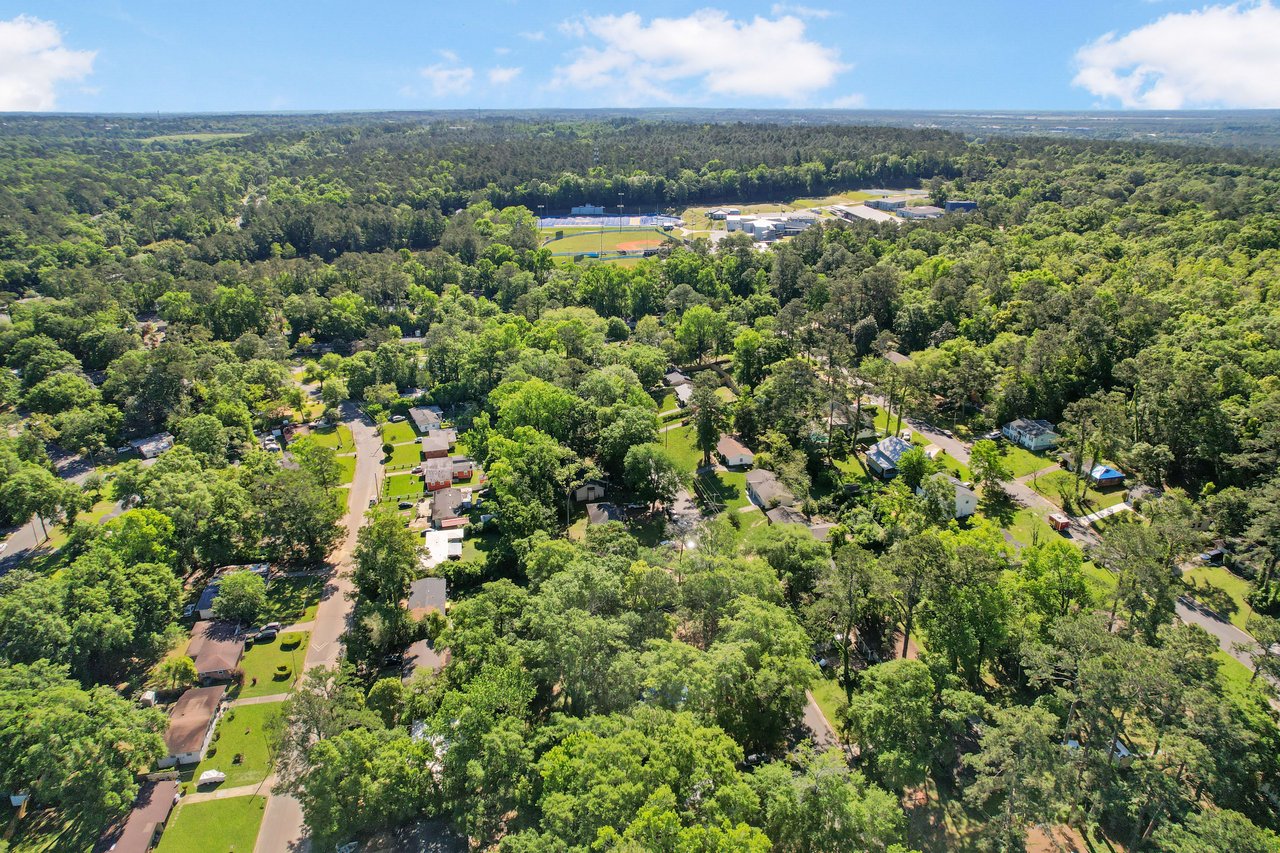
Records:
x=282, y=828
x=1227, y=635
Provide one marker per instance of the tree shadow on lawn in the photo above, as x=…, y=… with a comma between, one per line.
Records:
x=997, y=505
x=1216, y=599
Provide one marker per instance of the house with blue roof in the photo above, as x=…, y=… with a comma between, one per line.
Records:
x=883, y=456
x=1104, y=476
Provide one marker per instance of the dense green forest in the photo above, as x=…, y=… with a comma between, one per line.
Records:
x=643, y=686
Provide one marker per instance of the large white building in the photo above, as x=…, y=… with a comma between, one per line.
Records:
x=771, y=226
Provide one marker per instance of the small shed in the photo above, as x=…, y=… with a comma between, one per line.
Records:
x=591, y=490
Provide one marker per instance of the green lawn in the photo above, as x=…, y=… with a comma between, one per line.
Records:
x=243, y=731
x=1226, y=593
x=214, y=826
x=478, y=547
x=340, y=497
x=404, y=455
x=1102, y=583
x=726, y=394
x=1049, y=485
x=294, y=600
x=339, y=438
x=726, y=487
x=829, y=695
x=400, y=433
x=403, y=486
x=1021, y=461
x=346, y=469
x=260, y=662
x=668, y=402
x=679, y=443
x=1028, y=528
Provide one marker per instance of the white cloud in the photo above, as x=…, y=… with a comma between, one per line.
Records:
x=853, y=101
x=534, y=35
x=801, y=11
x=502, y=51
x=1219, y=56
x=500, y=76
x=33, y=61
x=704, y=53
x=448, y=80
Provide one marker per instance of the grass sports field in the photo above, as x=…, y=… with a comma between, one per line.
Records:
x=610, y=242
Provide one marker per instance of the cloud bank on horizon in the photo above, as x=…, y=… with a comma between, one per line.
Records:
x=787, y=54
x=1219, y=56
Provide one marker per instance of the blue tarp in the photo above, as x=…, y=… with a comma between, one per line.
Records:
x=1104, y=474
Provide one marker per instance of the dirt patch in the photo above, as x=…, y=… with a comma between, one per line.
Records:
x=638, y=245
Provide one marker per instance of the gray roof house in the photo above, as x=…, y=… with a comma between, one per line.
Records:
x=766, y=490
x=428, y=594
x=883, y=456
x=425, y=418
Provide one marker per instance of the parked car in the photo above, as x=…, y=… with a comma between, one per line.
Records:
x=397, y=419
x=264, y=636
x=405, y=504
x=271, y=626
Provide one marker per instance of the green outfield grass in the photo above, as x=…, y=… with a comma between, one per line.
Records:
x=608, y=242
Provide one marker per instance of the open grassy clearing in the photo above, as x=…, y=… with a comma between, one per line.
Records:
x=728, y=488
x=193, y=137
x=404, y=456
x=1028, y=528
x=339, y=438
x=1021, y=461
x=260, y=662
x=398, y=433
x=244, y=732
x=214, y=826
x=679, y=443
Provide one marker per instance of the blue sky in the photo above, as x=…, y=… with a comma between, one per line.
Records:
x=141, y=56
